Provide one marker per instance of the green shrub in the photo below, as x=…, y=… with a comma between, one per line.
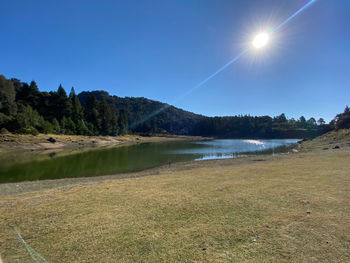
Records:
x=46, y=127
x=4, y=120
x=29, y=130
x=4, y=131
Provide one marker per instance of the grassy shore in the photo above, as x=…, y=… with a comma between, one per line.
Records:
x=286, y=208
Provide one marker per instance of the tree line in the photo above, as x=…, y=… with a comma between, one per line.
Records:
x=342, y=120
x=25, y=109
x=260, y=127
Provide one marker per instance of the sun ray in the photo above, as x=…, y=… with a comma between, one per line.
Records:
x=260, y=41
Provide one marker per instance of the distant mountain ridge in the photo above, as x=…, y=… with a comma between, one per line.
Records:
x=170, y=120
x=177, y=121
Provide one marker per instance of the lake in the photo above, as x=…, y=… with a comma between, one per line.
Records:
x=135, y=158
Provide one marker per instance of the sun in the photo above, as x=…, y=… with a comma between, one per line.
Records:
x=261, y=40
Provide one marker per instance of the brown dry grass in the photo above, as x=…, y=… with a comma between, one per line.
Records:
x=291, y=208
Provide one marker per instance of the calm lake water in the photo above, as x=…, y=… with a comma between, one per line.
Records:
x=135, y=158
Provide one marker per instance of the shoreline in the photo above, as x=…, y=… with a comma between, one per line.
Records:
x=306, y=148
x=28, y=147
x=23, y=187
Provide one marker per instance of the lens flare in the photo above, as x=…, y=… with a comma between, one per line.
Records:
x=261, y=40
x=294, y=15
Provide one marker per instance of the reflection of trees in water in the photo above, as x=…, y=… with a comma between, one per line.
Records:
x=118, y=160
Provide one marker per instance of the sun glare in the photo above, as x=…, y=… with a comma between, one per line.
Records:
x=261, y=40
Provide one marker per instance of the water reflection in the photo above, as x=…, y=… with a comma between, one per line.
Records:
x=221, y=149
x=133, y=158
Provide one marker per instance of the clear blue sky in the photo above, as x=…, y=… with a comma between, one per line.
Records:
x=159, y=49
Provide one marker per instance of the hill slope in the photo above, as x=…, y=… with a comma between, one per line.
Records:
x=171, y=119
x=149, y=116
x=334, y=140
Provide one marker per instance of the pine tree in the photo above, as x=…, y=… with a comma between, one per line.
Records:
x=56, y=126
x=115, y=126
x=45, y=126
x=61, y=104
x=123, y=122
x=77, y=109
x=7, y=97
x=72, y=93
x=91, y=113
x=68, y=126
x=61, y=92
x=81, y=128
x=311, y=122
x=321, y=122
x=106, y=118
x=302, y=122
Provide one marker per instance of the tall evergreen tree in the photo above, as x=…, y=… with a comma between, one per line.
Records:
x=72, y=92
x=61, y=104
x=61, y=91
x=8, y=105
x=77, y=109
x=302, y=122
x=68, y=126
x=123, y=122
x=28, y=94
x=91, y=113
x=312, y=122
x=56, y=126
x=106, y=118
x=321, y=122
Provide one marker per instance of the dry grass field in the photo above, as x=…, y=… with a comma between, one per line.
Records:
x=287, y=208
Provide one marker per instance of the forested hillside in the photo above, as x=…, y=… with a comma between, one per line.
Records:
x=170, y=120
x=260, y=127
x=25, y=109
